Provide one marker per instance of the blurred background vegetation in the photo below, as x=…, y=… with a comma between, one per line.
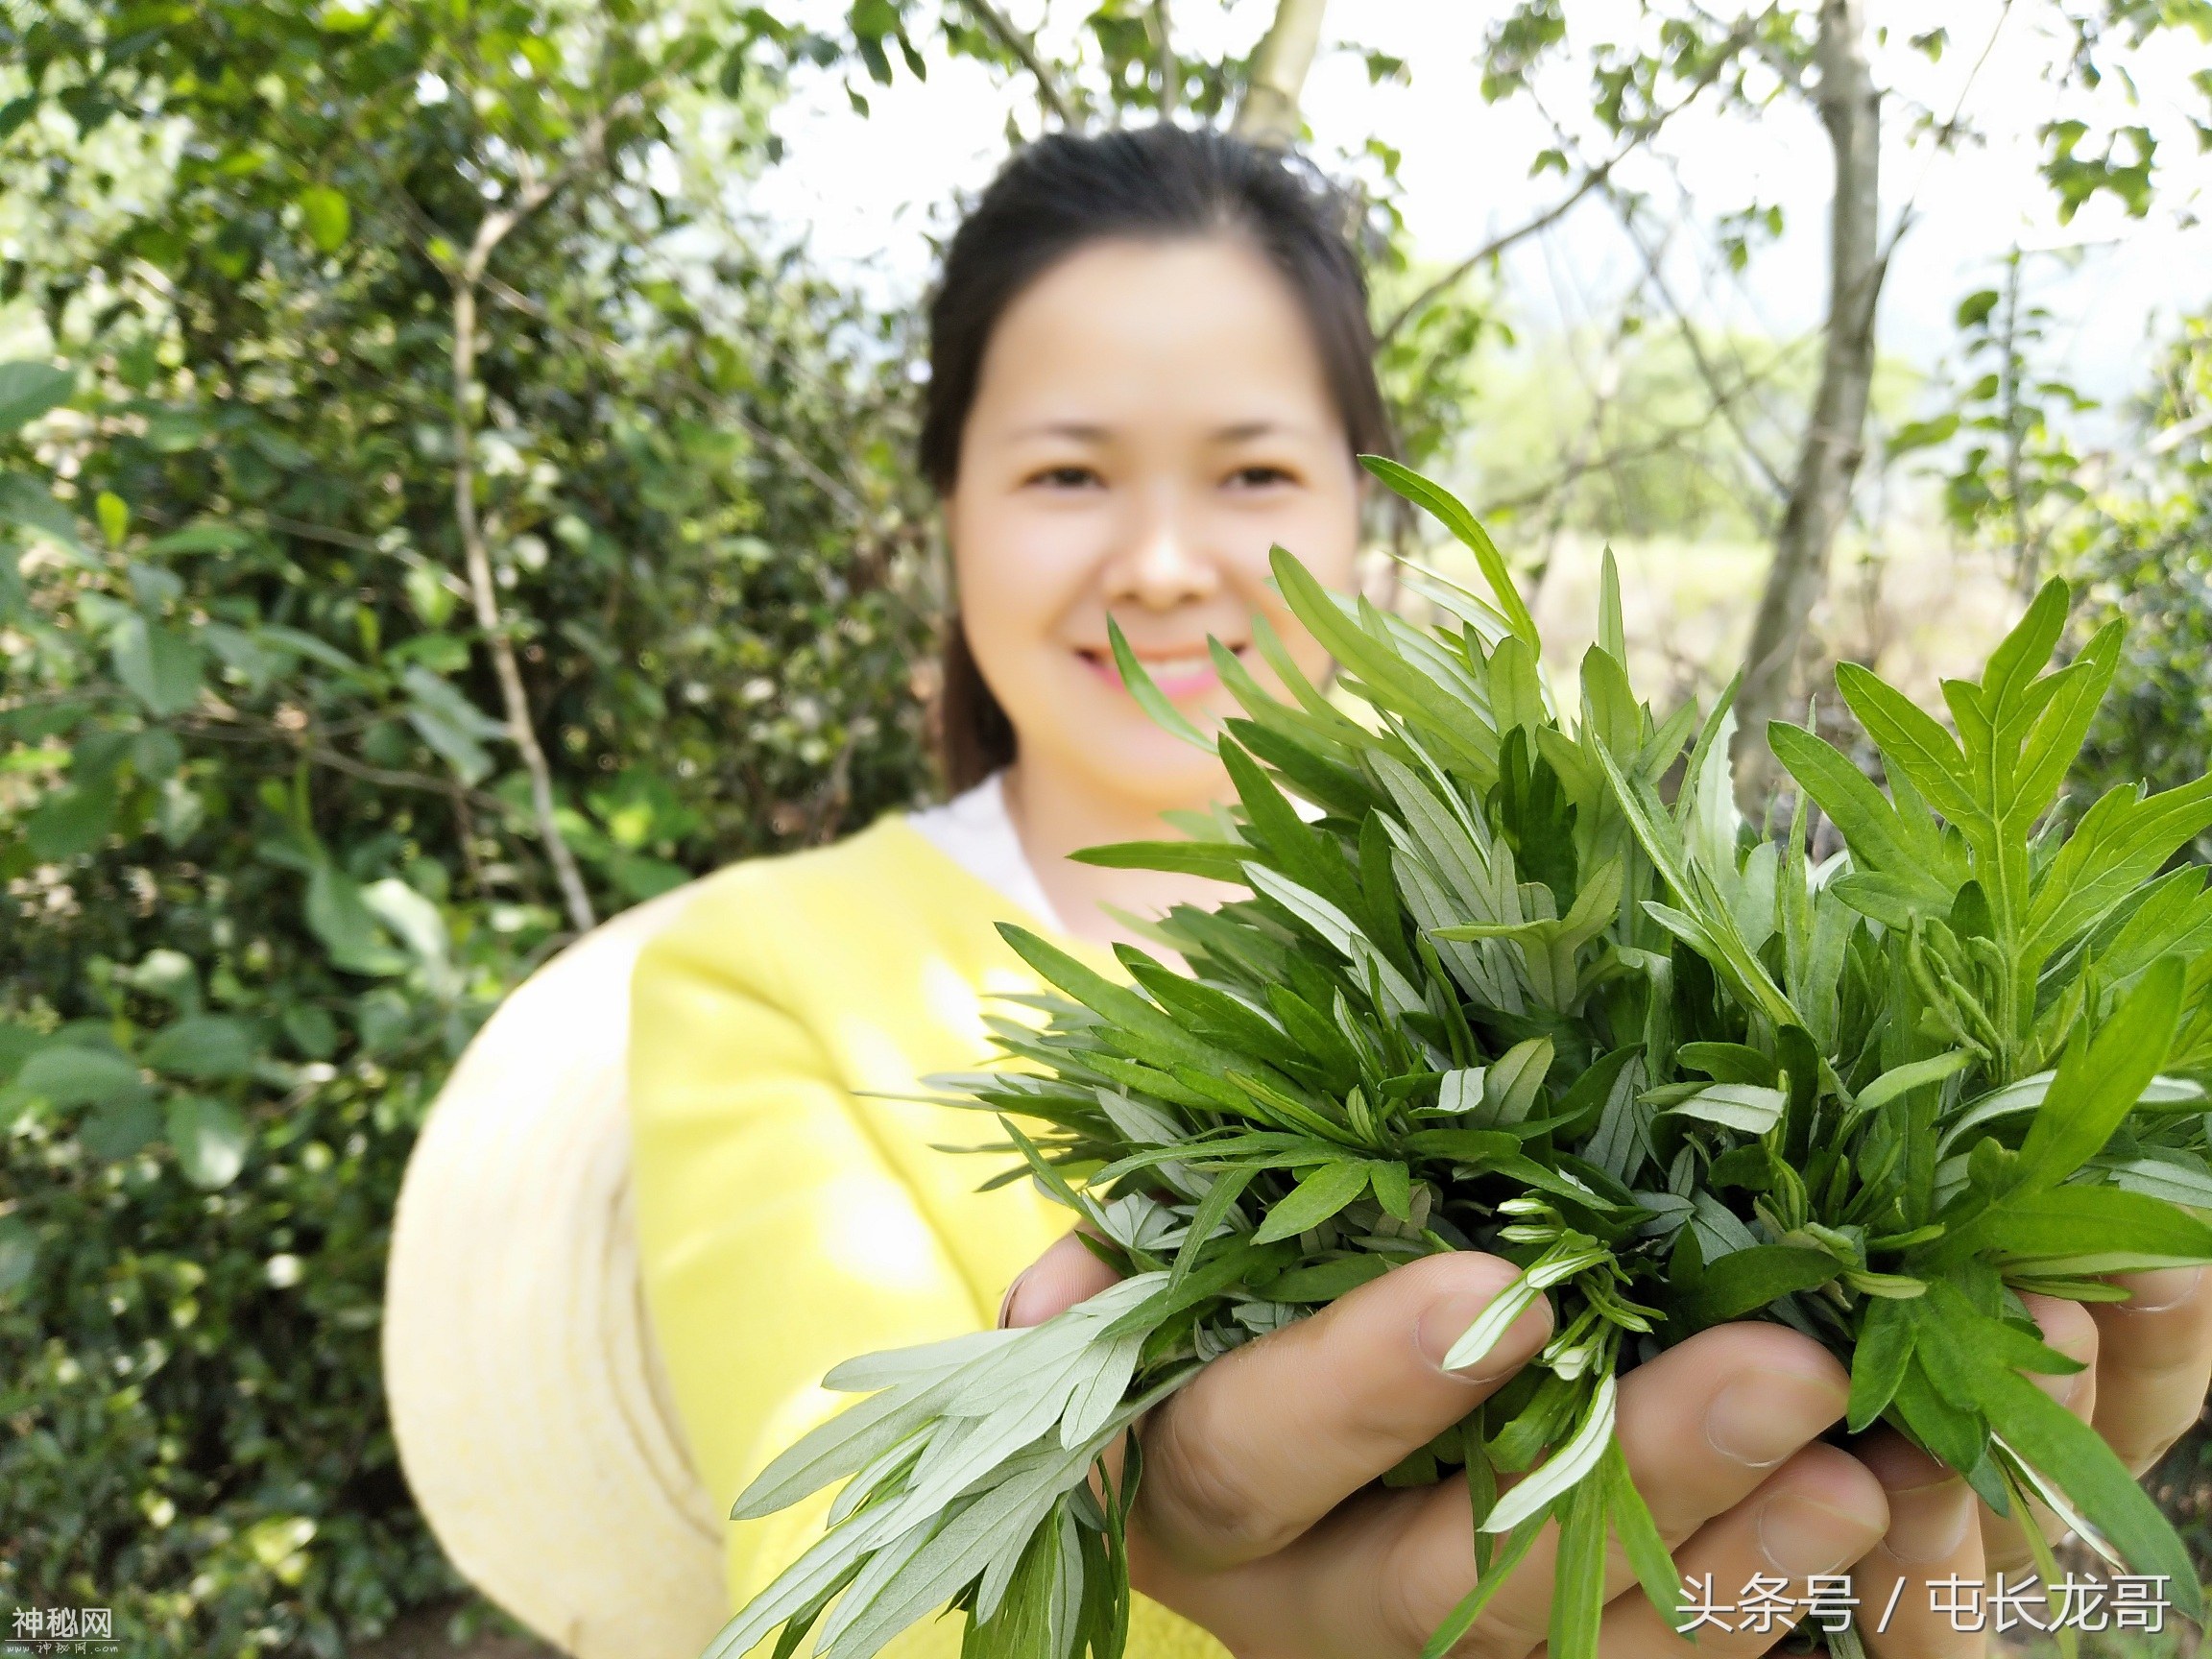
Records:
x=436, y=511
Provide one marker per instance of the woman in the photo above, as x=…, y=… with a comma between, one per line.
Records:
x=1150, y=361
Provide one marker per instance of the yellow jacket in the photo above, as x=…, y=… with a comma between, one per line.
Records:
x=785, y=1222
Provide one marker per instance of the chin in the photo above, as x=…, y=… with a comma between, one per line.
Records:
x=1156, y=769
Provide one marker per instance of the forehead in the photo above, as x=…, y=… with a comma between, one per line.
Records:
x=1199, y=328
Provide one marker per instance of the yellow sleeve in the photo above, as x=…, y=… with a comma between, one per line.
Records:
x=775, y=1240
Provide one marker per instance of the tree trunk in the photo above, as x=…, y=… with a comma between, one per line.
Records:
x=1835, y=439
x=1269, y=112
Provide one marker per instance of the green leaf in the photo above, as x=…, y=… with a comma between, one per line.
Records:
x=1313, y=1200
x=1941, y=1421
x=1912, y=743
x=2055, y=742
x=1878, y=1363
x=1745, y=1281
x=18, y=1255
x=1612, y=631
x=2099, y=1083
x=1727, y=1063
x=71, y=820
x=2080, y=1230
x=1149, y=697
x=114, y=516
x=2074, y=1456
x=210, y=1137
x=1579, y=1572
x=157, y=664
x=1217, y=860
x=1640, y=1540
x=337, y=916
x=28, y=390
x=451, y=725
x=1325, y=1281
x=70, y=1076
x=1452, y=514
x=119, y=1128
x=1739, y=1106
x=328, y=219
x=1902, y=1080
x=205, y=1048
x=1472, y=1606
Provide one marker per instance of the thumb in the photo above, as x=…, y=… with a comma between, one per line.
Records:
x=1066, y=1274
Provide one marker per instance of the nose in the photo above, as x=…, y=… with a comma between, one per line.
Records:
x=1164, y=562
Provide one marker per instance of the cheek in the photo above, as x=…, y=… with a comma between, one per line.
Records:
x=1018, y=575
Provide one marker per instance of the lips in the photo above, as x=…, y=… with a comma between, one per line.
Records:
x=1178, y=674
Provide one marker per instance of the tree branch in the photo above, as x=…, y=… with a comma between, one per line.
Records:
x=1268, y=112
x=1723, y=400
x=1049, y=97
x=1665, y=437
x=1641, y=134
x=497, y=226
x=1835, y=435
x=243, y=729
x=1164, y=60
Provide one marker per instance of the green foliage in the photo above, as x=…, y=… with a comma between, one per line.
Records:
x=2146, y=551
x=268, y=852
x=1687, y=1076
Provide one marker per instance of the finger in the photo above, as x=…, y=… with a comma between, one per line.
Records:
x=1703, y=1426
x=1066, y=1274
x=1816, y=1515
x=2068, y=1328
x=1273, y=1435
x=1932, y=1536
x=2153, y=1360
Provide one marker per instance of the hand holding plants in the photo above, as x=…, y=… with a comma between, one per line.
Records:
x=1258, y=1516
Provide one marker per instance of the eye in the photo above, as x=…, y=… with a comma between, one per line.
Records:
x=1069, y=477
x=1260, y=475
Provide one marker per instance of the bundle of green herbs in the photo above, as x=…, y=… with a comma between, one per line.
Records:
x=1490, y=991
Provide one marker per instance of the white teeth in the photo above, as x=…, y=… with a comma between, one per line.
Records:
x=1177, y=667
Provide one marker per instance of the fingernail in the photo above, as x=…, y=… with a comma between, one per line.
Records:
x=1006, y=1302
x=1446, y=1319
x=1928, y=1523
x=2166, y=1287
x=1800, y=1536
x=1763, y=1417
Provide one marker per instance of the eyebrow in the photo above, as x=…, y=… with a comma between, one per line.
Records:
x=1088, y=432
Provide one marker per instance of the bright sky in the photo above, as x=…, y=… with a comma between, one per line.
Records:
x=869, y=190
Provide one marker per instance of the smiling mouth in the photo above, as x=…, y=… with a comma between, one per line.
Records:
x=1176, y=673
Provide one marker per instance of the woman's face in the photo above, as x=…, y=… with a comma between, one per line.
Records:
x=1151, y=418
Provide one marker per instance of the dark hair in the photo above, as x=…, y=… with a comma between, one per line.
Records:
x=1064, y=192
